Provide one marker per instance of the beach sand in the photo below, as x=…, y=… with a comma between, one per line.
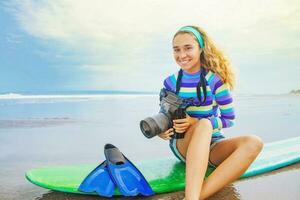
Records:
x=37, y=134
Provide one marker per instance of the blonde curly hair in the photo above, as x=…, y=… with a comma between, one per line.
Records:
x=213, y=59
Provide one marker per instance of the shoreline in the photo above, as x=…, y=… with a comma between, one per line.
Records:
x=16, y=96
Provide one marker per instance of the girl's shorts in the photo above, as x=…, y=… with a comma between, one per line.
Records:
x=214, y=141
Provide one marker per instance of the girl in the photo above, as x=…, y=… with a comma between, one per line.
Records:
x=206, y=77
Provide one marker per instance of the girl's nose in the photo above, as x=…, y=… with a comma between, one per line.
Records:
x=182, y=54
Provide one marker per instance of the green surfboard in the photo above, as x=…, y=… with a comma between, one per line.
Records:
x=164, y=175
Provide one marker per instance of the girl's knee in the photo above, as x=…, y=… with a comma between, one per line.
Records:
x=203, y=129
x=204, y=124
x=253, y=144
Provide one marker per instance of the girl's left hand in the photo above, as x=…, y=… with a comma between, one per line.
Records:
x=182, y=125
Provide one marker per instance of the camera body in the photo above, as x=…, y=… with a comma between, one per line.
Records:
x=171, y=107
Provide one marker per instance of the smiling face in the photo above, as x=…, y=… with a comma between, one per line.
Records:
x=186, y=52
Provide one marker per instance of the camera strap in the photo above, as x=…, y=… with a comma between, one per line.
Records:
x=201, y=83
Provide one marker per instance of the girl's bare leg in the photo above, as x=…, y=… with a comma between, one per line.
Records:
x=196, y=150
x=232, y=155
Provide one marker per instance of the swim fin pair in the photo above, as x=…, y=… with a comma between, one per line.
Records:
x=116, y=171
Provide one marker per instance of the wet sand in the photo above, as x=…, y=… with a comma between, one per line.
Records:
x=32, y=123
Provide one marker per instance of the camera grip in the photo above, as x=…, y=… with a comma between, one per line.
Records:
x=179, y=114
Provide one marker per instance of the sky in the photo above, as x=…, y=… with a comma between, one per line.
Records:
x=59, y=45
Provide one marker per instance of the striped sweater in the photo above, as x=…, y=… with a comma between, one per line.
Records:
x=218, y=107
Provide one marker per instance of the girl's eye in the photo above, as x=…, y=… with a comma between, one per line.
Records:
x=176, y=50
x=189, y=48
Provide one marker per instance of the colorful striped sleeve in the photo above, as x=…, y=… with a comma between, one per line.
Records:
x=225, y=103
x=170, y=83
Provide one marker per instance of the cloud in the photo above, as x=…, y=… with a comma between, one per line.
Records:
x=106, y=36
x=122, y=25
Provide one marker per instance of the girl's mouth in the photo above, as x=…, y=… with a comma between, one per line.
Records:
x=184, y=62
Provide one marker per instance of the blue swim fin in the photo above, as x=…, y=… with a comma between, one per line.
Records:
x=98, y=181
x=129, y=180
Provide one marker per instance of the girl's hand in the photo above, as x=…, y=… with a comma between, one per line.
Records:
x=182, y=125
x=167, y=134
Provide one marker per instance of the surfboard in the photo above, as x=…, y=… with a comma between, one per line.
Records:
x=164, y=175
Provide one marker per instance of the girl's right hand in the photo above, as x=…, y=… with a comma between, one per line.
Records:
x=167, y=134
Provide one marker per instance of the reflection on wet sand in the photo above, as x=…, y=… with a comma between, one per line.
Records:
x=227, y=193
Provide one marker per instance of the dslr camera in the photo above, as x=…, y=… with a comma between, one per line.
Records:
x=171, y=107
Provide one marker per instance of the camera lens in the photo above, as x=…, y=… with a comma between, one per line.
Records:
x=152, y=126
x=145, y=128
